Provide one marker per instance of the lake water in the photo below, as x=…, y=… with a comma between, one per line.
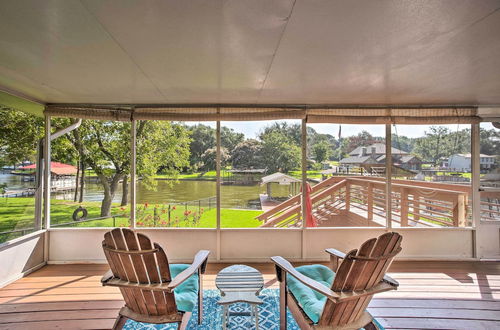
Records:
x=167, y=191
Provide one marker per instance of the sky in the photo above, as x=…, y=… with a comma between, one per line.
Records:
x=251, y=129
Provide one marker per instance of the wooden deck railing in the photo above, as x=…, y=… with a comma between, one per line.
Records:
x=414, y=203
x=490, y=204
x=291, y=207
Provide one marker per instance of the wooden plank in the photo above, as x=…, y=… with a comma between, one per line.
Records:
x=386, y=244
x=55, y=306
x=113, y=259
x=159, y=272
x=133, y=297
x=61, y=324
x=140, y=269
x=442, y=295
x=491, y=315
x=364, y=276
x=435, y=303
x=370, y=202
x=59, y=315
x=66, y=297
x=452, y=280
x=332, y=312
x=404, y=208
x=136, y=259
x=424, y=323
x=126, y=262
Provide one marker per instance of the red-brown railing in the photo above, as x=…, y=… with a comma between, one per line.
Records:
x=490, y=204
x=414, y=203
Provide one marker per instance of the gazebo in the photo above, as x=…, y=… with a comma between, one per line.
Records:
x=281, y=179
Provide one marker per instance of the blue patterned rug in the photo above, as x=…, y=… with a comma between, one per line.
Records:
x=212, y=315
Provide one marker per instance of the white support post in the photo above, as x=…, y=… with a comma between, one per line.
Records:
x=304, y=183
x=476, y=194
x=217, y=187
x=46, y=173
x=46, y=189
x=388, y=176
x=133, y=157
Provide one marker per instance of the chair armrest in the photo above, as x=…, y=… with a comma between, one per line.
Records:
x=380, y=287
x=335, y=256
x=336, y=253
x=287, y=267
x=106, y=277
x=199, y=262
x=390, y=280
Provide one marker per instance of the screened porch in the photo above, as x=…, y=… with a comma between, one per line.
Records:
x=251, y=130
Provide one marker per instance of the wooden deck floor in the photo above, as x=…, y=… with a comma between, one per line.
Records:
x=432, y=295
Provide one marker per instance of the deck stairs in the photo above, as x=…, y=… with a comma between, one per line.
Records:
x=342, y=201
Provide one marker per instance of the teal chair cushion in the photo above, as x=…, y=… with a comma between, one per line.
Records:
x=186, y=294
x=311, y=301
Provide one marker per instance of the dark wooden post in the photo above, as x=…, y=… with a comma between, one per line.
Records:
x=404, y=207
x=370, y=201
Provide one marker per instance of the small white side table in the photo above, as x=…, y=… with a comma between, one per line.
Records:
x=239, y=283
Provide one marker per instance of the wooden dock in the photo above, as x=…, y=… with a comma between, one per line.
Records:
x=266, y=203
x=31, y=191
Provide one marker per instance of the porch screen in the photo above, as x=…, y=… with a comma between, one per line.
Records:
x=355, y=115
x=102, y=113
x=214, y=114
x=414, y=116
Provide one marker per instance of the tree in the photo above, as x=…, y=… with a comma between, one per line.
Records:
x=490, y=142
x=402, y=142
x=229, y=139
x=363, y=139
x=202, y=139
x=209, y=158
x=292, y=132
x=20, y=134
x=247, y=154
x=279, y=153
x=314, y=138
x=434, y=145
x=105, y=147
x=322, y=151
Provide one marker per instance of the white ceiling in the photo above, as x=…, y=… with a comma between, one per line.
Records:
x=259, y=51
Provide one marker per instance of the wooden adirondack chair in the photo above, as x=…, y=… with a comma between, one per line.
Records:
x=350, y=289
x=142, y=272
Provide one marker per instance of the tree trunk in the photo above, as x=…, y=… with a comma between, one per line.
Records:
x=82, y=181
x=77, y=180
x=109, y=192
x=125, y=187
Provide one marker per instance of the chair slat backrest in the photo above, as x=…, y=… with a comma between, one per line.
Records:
x=360, y=270
x=133, y=258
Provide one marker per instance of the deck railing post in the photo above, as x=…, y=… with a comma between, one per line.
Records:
x=404, y=207
x=459, y=211
x=370, y=201
x=416, y=206
x=347, y=196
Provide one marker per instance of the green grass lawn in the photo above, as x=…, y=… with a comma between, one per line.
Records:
x=310, y=174
x=462, y=174
x=18, y=213
x=194, y=216
x=210, y=175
